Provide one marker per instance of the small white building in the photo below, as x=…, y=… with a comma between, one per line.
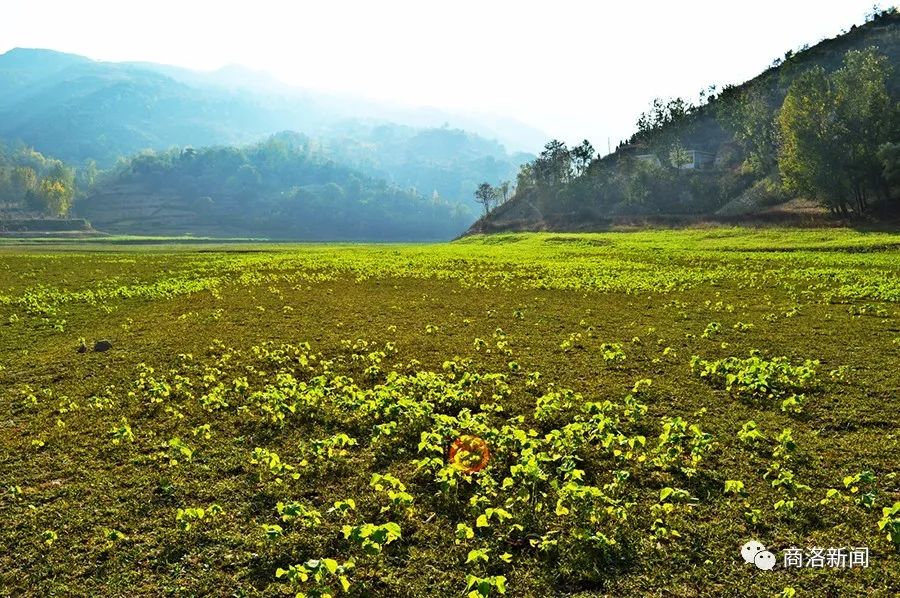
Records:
x=699, y=160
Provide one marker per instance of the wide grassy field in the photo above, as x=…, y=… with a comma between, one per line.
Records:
x=651, y=401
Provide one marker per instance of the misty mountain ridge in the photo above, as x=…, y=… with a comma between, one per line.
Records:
x=77, y=109
x=26, y=73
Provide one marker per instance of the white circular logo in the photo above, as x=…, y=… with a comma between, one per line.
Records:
x=750, y=550
x=765, y=560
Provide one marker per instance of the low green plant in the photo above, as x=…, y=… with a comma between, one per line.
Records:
x=756, y=377
x=332, y=447
x=372, y=538
x=114, y=535
x=299, y=514
x=860, y=489
x=735, y=487
x=269, y=464
x=490, y=515
x=317, y=578
x=890, y=523
x=14, y=491
x=612, y=352
x=343, y=507
x=482, y=587
x=179, y=449
x=681, y=446
x=711, y=329
x=191, y=516
x=122, y=433
x=574, y=341
x=750, y=434
x=272, y=531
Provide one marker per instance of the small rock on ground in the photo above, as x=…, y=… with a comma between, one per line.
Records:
x=102, y=345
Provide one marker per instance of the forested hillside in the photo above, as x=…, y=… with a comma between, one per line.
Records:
x=443, y=161
x=820, y=125
x=34, y=184
x=279, y=188
x=79, y=110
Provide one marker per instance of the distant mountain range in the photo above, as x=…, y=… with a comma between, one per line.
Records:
x=40, y=88
x=77, y=109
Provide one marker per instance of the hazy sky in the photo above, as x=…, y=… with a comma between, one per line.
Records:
x=571, y=68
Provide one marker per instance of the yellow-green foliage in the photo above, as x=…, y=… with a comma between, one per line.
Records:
x=238, y=447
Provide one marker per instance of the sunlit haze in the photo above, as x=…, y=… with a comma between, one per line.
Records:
x=572, y=69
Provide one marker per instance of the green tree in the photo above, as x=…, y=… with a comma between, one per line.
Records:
x=751, y=119
x=889, y=154
x=554, y=166
x=679, y=156
x=89, y=174
x=503, y=191
x=663, y=113
x=665, y=123
x=525, y=178
x=582, y=156
x=809, y=151
x=831, y=128
x=867, y=118
x=645, y=185
x=485, y=195
x=23, y=180
x=57, y=189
